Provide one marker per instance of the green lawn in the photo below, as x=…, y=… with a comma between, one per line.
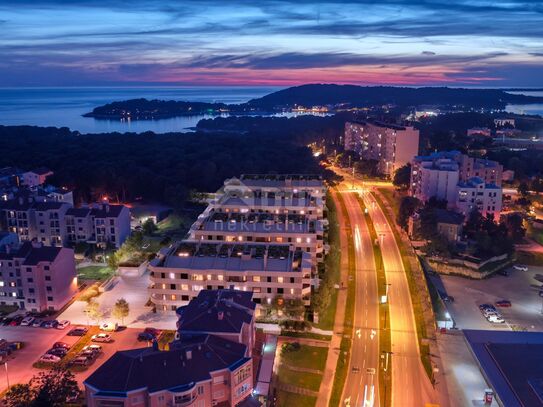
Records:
x=311, y=357
x=310, y=381
x=287, y=399
x=331, y=266
x=94, y=273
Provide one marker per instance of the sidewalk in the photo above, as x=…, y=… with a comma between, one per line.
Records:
x=327, y=383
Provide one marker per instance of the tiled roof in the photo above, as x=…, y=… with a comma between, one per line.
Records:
x=215, y=311
x=188, y=362
x=78, y=212
x=107, y=211
x=39, y=254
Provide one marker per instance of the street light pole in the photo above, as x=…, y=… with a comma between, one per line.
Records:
x=7, y=374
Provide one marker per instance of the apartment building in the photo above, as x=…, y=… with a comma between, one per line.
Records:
x=209, y=364
x=229, y=314
x=180, y=273
x=434, y=177
x=304, y=198
x=437, y=174
x=111, y=224
x=36, y=177
x=37, y=277
x=259, y=227
x=57, y=223
x=476, y=194
x=293, y=183
x=391, y=145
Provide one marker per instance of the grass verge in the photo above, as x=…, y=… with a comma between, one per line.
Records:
x=306, y=335
x=288, y=399
x=345, y=346
x=385, y=341
x=331, y=266
x=413, y=290
x=309, y=357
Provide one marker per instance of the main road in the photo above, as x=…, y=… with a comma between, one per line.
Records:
x=410, y=384
x=362, y=383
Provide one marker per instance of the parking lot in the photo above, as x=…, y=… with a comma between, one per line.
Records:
x=520, y=287
x=38, y=340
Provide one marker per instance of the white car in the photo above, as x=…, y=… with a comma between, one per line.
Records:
x=63, y=324
x=520, y=267
x=49, y=358
x=496, y=319
x=109, y=326
x=93, y=348
x=102, y=338
x=27, y=321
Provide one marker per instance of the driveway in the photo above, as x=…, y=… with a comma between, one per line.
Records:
x=134, y=290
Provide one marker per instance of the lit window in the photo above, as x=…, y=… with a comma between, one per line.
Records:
x=279, y=279
x=172, y=276
x=256, y=278
x=209, y=277
x=184, y=287
x=220, y=277
x=292, y=290
x=298, y=240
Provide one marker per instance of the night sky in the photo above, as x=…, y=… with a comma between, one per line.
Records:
x=236, y=42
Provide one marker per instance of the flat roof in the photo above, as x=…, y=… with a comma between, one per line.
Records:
x=202, y=256
x=512, y=362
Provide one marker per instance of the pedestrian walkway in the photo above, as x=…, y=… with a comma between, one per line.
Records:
x=327, y=383
x=298, y=390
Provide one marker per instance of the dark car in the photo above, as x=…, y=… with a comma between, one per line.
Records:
x=62, y=345
x=79, y=331
x=60, y=352
x=503, y=303
x=146, y=337
x=6, y=321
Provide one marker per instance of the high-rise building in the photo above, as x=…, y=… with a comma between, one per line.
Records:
x=391, y=145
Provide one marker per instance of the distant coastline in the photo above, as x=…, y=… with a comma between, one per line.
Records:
x=318, y=98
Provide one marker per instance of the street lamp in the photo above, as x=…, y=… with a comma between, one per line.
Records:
x=7, y=374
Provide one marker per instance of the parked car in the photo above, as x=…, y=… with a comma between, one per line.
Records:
x=496, y=319
x=81, y=361
x=79, y=331
x=504, y=272
x=487, y=307
x=520, y=267
x=146, y=337
x=62, y=324
x=50, y=324
x=49, y=358
x=92, y=348
x=109, y=326
x=60, y=352
x=62, y=345
x=106, y=338
x=503, y=303
x=37, y=323
x=27, y=321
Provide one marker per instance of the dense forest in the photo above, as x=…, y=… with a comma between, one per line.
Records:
x=154, y=167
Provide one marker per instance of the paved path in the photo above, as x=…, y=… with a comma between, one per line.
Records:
x=298, y=390
x=327, y=383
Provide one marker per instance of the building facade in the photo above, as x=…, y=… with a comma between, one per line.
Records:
x=37, y=277
x=476, y=194
x=208, y=364
x=391, y=145
x=265, y=270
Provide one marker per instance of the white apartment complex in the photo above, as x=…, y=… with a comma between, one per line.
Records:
x=267, y=270
x=476, y=194
x=260, y=233
x=37, y=277
x=446, y=175
x=391, y=145
x=59, y=223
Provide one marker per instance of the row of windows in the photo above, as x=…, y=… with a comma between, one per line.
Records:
x=220, y=277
